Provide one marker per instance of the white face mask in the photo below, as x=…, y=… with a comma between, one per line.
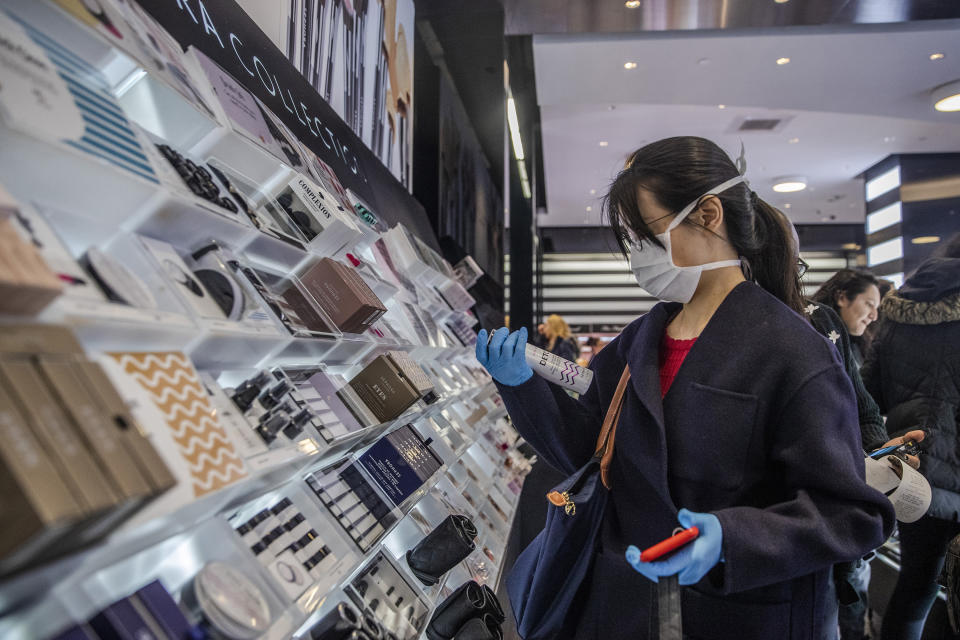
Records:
x=655, y=270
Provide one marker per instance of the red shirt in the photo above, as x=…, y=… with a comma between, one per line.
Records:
x=672, y=353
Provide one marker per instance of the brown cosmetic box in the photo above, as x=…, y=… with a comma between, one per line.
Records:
x=385, y=388
x=343, y=294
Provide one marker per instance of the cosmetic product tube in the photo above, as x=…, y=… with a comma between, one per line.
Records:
x=557, y=370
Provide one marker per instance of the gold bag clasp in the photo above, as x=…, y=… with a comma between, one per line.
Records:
x=558, y=499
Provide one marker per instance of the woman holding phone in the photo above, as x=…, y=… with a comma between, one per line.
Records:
x=739, y=418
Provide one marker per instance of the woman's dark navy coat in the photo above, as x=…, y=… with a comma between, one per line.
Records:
x=758, y=428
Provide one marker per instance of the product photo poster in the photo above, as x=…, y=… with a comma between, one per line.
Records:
x=358, y=55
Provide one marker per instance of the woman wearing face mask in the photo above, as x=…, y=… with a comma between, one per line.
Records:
x=855, y=296
x=738, y=419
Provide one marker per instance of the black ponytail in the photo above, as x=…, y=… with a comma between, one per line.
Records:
x=677, y=171
x=774, y=266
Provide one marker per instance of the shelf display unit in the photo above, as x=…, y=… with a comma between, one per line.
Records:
x=201, y=254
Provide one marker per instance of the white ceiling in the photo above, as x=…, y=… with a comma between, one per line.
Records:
x=851, y=98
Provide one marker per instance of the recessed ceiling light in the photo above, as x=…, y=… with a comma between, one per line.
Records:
x=721, y=106
x=593, y=191
x=789, y=184
x=589, y=208
x=603, y=143
x=925, y=239
x=793, y=140
x=850, y=246
x=786, y=206
x=889, y=138
x=936, y=56
x=781, y=1
x=631, y=4
x=629, y=65
x=947, y=97
x=783, y=61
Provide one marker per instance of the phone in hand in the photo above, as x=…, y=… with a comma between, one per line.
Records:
x=909, y=448
x=669, y=545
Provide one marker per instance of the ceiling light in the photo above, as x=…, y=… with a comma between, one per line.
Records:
x=631, y=4
x=703, y=61
x=592, y=191
x=721, y=106
x=947, y=97
x=786, y=206
x=604, y=143
x=514, y=129
x=589, y=208
x=789, y=184
x=629, y=65
x=783, y=61
x=850, y=246
x=793, y=140
x=781, y=1
x=925, y=239
x=889, y=138
x=936, y=56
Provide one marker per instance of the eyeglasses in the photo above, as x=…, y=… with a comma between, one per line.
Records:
x=802, y=267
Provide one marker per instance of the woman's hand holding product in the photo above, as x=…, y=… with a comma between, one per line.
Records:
x=909, y=437
x=692, y=561
x=504, y=357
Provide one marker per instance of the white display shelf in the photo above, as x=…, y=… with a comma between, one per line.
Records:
x=100, y=196
x=112, y=326
x=94, y=203
x=185, y=220
x=224, y=344
x=155, y=538
x=247, y=158
x=403, y=534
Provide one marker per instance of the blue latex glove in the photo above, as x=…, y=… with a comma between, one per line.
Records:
x=504, y=356
x=692, y=561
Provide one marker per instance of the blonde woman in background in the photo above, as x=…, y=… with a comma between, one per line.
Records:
x=559, y=339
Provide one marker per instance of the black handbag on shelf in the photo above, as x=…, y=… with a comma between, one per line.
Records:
x=470, y=600
x=486, y=627
x=442, y=549
x=493, y=606
x=547, y=574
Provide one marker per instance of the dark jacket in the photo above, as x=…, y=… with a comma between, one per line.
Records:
x=567, y=348
x=758, y=428
x=873, y=433
x=913, y=371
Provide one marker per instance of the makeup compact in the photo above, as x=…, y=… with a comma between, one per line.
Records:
x=231, y=604
x=187, y=285
x=118, y=282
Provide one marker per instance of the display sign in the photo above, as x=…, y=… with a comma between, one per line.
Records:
x=224, y=32
x=400, y=463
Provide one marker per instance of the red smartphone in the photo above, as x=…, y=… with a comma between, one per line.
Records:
x=672, y=543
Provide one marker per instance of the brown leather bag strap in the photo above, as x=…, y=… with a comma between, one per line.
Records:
x=608, y=431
